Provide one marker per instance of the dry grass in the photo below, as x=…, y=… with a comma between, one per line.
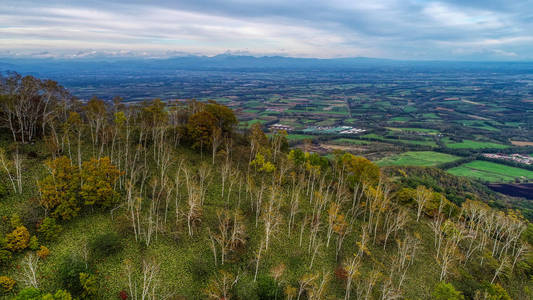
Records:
x=522, y=143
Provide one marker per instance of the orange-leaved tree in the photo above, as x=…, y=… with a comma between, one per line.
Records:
x=98, y=177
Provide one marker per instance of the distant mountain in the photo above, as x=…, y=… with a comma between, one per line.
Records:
x=227, y=62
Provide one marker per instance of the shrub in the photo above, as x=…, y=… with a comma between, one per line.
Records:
x=105, y=244
x=246, y=289
x=4, y=191
x=34, y=243
x=59, y=295
x=446, y=291
x=267, y=288
x=69, y=271
x=495, y=292
x=341, y=273
x=122, y=225
x=15, y=221
x=49, y=229
x=18, y=239
x=43, y=252
x=199, y=269
x=29, y=293
x=89, y=282
x=5, y=257
x=6, y=284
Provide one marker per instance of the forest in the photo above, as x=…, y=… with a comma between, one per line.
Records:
x=168, y=200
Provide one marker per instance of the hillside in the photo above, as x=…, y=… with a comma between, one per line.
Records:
x=157, y=200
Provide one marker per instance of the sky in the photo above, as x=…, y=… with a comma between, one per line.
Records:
x=395, y=29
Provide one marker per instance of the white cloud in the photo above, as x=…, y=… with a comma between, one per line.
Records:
x=389, y=28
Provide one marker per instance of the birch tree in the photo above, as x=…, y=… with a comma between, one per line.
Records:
x=7, y=165
x=28, y=272
x=231, y=232
x=220, y=286
x=271, y=217
x=422, y=197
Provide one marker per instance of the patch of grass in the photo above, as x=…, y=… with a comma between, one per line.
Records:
x=419, y=142
x=479, y=124
x=470, y=144
x=417, y=158
x=430, y=116
x=489, y=171
x=345, y=141
x=400, y=119
x=373, y=136
x=423, y=130
x=429, y=143
x=249, y=123
x=297, y=137
x=409, y=109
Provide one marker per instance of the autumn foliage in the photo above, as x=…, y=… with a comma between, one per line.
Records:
x=43, y=252
x=66, y=188
x=59, y=190
x=6, y=284
x=18, y=240
x=98, y=177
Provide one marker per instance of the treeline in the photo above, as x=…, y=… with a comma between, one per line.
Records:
x=456, y=163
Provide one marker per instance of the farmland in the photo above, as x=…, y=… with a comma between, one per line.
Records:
x=469, y=144
x=418, y=158
x=292, y=137
x=491, y=172
x=399, y=108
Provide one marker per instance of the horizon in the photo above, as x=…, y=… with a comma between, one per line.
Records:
x=110, y=58
x=447, y=30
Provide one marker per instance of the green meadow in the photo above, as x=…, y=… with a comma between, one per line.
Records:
x=489, y=171
x=470, y=144
x=417, y=158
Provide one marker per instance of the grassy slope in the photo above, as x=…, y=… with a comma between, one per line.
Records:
x=175, y=251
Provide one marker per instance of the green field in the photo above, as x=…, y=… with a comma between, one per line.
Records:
x=489, y=171
x=400, y=119
x=249, y=123
x=345, y=141
x=297, y=137
x=417, y=158
x=430, y=116
x=424, y=142
x=469, y=144
x=478, y=124
x=422, y=130
x=409, y=109
x=430, y=143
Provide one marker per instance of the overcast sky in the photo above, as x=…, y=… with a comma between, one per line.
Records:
x=406, y=29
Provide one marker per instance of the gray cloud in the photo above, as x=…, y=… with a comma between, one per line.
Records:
x=404, y=29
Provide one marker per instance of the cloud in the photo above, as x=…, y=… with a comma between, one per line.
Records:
x=402, y=29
